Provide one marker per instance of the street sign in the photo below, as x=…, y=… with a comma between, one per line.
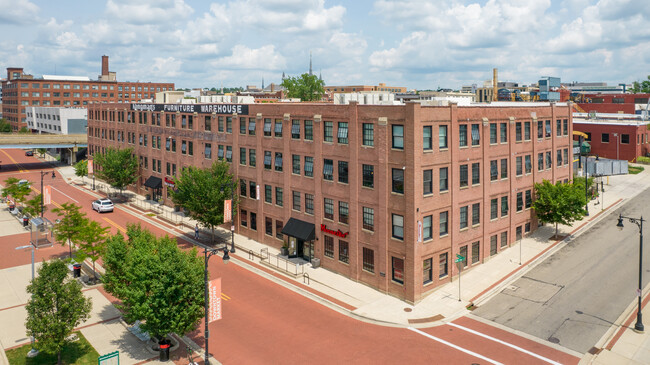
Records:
x=112, y=358
x=460, y=258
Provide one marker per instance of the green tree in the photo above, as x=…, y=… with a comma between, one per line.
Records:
x=5, y=127
x=41, y=151
x=18, y=192
x=306, y=87
x=202, y=193
x=641, y=87
x=71, y=224
x=118, y=167
x=55, y=308
x=92, y=243
x=157, y=282
x=23, y=130
x=559, y=203
x=33, y=206
x=81, y=169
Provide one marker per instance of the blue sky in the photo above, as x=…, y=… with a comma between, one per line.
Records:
x=414, y=43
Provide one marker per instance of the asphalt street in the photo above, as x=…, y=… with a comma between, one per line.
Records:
x=574, y=296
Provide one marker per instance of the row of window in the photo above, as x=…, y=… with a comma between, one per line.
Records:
x=36, y=94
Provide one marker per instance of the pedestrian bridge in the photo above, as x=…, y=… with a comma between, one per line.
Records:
x=43, y=140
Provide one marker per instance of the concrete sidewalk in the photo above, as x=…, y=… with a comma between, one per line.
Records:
x=442, y=305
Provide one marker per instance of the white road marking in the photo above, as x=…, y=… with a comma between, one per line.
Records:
x=505, y=343
x=455, y=346
x=64, y=194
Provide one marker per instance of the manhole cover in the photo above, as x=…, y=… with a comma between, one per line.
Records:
x=553, y=339
x=408, y=309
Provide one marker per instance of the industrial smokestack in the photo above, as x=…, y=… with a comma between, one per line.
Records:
x=104, y=65
x=494, y=84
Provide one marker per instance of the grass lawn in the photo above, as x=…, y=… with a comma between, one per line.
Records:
x=78, y=352
x=635, y=169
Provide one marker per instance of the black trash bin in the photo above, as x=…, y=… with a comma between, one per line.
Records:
x=76, y=270
x=25, y=221
x=164, y=350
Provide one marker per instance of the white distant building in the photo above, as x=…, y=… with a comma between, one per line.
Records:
x=57, y=120
x=366, y=98
x=230, y=99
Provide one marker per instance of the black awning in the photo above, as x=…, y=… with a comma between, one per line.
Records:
x=299, y=229
x=153, y=182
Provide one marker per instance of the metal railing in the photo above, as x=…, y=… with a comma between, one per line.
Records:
x=281, y=264
x=172, y=217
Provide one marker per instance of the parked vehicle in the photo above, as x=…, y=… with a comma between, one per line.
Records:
x=103, y=205
x=29, y=153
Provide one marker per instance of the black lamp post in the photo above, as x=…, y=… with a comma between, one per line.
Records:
x=638, y=326
x=207, y=254
x=43, y=173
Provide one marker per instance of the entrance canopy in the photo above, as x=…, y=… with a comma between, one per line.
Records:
x=299, y=229
x=153, y=182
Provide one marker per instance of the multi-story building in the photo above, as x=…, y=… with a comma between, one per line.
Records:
x=52, y=120
x=385, y=195
x=360, y=88
x=614, y=136
x=22, y=91
x=612, y=103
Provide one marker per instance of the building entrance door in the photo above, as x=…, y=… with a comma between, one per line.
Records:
x=307, y=250
x=293, y=247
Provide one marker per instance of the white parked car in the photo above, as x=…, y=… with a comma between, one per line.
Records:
x=103, y=205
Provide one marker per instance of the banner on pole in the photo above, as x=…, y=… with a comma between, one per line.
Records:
x=227, y=211
x=47, y=195
x=419, y=231
x=90, y=167
x=214, y=306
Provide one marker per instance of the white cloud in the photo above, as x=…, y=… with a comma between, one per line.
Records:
x=148, y=11
x=166, y=67
x=242, y=57
x=17, y=11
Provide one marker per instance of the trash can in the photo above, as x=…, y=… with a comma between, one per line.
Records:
x=12, y=206
x=25, y=221
x=76, y=270
x=164, y=350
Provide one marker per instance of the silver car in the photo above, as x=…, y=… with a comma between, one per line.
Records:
x=103, y=205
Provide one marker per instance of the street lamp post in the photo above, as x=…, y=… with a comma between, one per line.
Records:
x=207, y=254
x=33, y=352
x=638, y=326
x=43, y=173
x=586, y=188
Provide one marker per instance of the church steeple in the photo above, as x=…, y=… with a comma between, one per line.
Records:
x=262, y=82
x=310, y=70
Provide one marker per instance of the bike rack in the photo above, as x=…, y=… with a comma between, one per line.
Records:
x=305, y=276
x=251, y=255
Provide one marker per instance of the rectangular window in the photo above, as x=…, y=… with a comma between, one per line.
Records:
x=329, y=208
x=309, y=204
x=504, y=239
x=398, y=181
x=342, y=136
x=427, y=228
x=464, y=219
x=252, y=190
x=463, y=252
x=295, y=129
x=278, y=161
x=268, y=160
x=328, y=247
x=278, y=229
x=476, y=252
x=398, y=226
x=368, y=134
x=540, y=129
x=549, y=160
x=476, y=213
x=309, y=166
x=278, y=128
x=242, y=156
x=493, y=133
x=368, y=176
x=519, y=167
x=504, y=206
x=493, y=245
x=464, y=176
x=328, y=169
x=476, y=173
x=427, y=182
x=476, y=136
x=242, y=187
x=565, y=127
x=529, y=199
x=242, y=125
x=309, y=130
x=504, y=168
x=548, y=129
x=398, y=136
x=343, y=172
x=268, y=194
x=295, y=164
x=243, y=216
x=494, y=170
x=268, y=226
x=558, y=127
x=328, y=131
x=494, y=208
x=504, y=132
x=343, y=251
x=267, y=126
x=427, y=136
x=427, y=275
x=444, y=228
x=208, y=150
x=540, y=161
x=518, y=132
x=444, y=186
x=528, y=164
x=559, y=157
x=518, y=234
x=343, y=212
x=368, y=218
x=442, y=266
x=442, y=136
x=296, y=200
x=565, y=153
x=251, y=126
x=625, y=138
x=252, y=160
x=229, y=154
x=462, y=135
x=526, y=131
x=220, y=124
x=368, y=260
x=520, y=201
x=397, y=270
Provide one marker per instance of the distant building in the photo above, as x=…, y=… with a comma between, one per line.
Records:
x=361, y=88
x=22, y=90
x=52, y=120
x=611, y=103
x=614, y=136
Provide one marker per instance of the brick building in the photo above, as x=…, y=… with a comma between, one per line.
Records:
x=615, y=136
x=386, y=195
x=612, y=103
x=21, y=91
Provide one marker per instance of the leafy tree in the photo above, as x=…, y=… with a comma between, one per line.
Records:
x=5, y=127
x=306, y=87
x=56, y=307
x=157, y=282
x=81, y=169
x=118, y=167
x=641, y=87
x=199, y=191
x=41, y=151
x=71, y=225
x=18, y=192
x=92, y=243
x=559, y=203
x=33, y=206
x=23, y=130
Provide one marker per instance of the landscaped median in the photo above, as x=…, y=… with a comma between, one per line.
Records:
x=78, y=351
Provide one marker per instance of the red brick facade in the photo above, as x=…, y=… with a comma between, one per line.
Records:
x=616, y=139
x=407, y=140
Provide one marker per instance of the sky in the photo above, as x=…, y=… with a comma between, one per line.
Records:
x=417, y=44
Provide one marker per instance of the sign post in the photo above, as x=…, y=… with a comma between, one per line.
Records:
x=459, y=260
